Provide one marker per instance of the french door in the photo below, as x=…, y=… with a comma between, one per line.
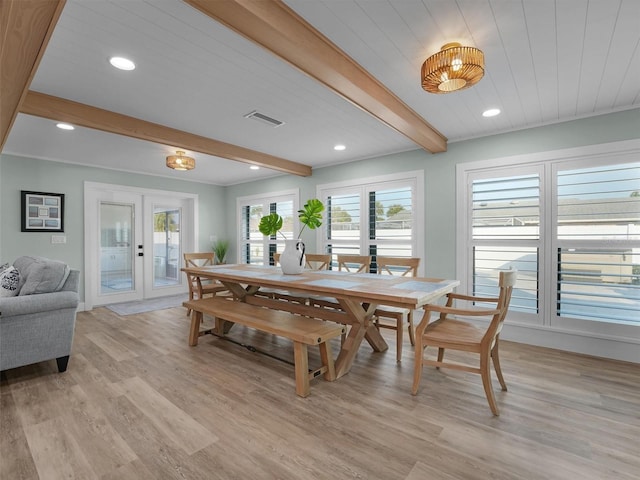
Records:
x=134, y=241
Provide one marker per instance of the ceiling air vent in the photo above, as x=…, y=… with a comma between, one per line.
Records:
x=264, y=119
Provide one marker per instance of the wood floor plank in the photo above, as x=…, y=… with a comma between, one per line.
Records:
x=137, y=403
x=16, y=460
x=56, y=452
x=91, y=429
x=421, y=471
x=135, y=470
x=157, y=452
x=112, y=347
x=175, y=423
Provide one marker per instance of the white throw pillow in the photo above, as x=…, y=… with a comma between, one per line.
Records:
x=9, y=281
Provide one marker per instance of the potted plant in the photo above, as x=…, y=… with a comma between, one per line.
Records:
x=292, y=259
x=220, y=249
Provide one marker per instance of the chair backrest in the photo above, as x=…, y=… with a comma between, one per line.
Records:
x=199, y=259
x=402, y=266
x=318, y=261
x=354, y=263
x=505, y=283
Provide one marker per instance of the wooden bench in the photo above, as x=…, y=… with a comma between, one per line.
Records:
x=302, y=331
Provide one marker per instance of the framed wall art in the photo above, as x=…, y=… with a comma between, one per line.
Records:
x=42, y=212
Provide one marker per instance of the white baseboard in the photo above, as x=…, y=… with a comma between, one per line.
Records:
x=571, y=342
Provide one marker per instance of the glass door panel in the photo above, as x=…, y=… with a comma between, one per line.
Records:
x=116, y=248
x=166, y=247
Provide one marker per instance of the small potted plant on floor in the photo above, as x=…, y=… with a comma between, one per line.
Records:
x=220, y=249
x=292, y=259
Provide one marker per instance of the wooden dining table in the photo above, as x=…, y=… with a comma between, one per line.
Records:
x=358, y=294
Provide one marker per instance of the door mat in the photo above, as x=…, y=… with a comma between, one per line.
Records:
x=149, y=305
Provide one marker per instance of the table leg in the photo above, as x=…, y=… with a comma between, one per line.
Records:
x=236, y=289
x=361, y=327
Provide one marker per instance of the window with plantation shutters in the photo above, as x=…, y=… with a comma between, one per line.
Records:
x=505, y=234
x=254, y=247
x=570, y=225
x=344, y=223
x=391, y=221
x=375, y=216
x=598, y=243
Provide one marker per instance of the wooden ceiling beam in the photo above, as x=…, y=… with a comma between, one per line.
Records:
x=60, y=109
x=25, y=29
x=276, y=27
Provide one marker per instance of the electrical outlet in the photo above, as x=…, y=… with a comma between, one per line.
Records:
x=58, y=239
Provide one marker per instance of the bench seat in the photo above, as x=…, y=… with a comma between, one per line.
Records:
x=303, y=331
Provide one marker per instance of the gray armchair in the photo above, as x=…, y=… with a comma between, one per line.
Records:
x=39, y=326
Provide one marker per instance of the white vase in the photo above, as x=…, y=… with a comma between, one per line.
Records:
x=292, y=259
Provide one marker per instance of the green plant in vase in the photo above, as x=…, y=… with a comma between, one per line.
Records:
x=220, y=249
x=292, y=258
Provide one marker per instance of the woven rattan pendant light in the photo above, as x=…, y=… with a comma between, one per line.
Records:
x=453, y=68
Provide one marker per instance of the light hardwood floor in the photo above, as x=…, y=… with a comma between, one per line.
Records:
x=138, y=403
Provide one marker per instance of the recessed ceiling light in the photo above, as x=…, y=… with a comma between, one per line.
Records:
x=122, y=63
x=65, y=126
x=492, y=112
x=254, y=167
x=339, y=147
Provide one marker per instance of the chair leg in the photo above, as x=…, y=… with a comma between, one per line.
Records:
x=496, y=363
x=399, y=339
x=440, y=355
x=485, y=373
x=412, y=330
x=417, y=366
x=190, y=298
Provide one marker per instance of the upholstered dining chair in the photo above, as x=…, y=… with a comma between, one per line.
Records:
x=405, y=267
x=450, y=331
x=198, y=289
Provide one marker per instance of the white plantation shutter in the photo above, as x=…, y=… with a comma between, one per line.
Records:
x=254, y=247
x=572, y=230
x=505, y=233
x=598, y=243
x=375, y=217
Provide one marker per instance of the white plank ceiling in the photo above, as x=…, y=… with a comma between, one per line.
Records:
x=546, y=61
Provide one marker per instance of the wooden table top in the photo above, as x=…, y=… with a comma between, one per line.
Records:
x=407, y=292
